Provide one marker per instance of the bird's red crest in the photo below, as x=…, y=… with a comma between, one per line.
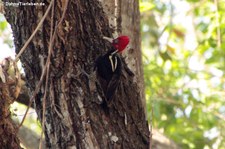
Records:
x=121, y=43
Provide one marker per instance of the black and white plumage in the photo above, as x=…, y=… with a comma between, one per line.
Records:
x=109, y=69
x=109, y=66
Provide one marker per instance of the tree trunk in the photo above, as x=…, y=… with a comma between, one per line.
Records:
x=75, y=116
x=8, y=93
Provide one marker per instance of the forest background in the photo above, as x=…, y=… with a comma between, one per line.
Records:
x=184, y=62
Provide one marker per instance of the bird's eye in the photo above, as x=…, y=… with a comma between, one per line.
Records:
x=115, y=41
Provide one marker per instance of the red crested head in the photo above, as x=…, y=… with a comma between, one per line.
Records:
x=121, y=43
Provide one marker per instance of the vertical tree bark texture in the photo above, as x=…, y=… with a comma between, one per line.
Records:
x=8, y=93
x=130, y=23
x=8, y=137
x=75, y=117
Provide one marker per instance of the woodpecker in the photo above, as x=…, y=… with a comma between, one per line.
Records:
x=109, y=66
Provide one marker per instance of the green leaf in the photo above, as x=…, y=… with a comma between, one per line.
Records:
x=146, y=6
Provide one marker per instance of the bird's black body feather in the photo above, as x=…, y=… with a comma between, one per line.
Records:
x=109, y=72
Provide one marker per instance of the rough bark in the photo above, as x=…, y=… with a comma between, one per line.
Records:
x=8, y=94
x=75, y=117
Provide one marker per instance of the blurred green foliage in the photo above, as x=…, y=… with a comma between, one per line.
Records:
x=5, y=34
x=184, y=62
x=31, y=121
